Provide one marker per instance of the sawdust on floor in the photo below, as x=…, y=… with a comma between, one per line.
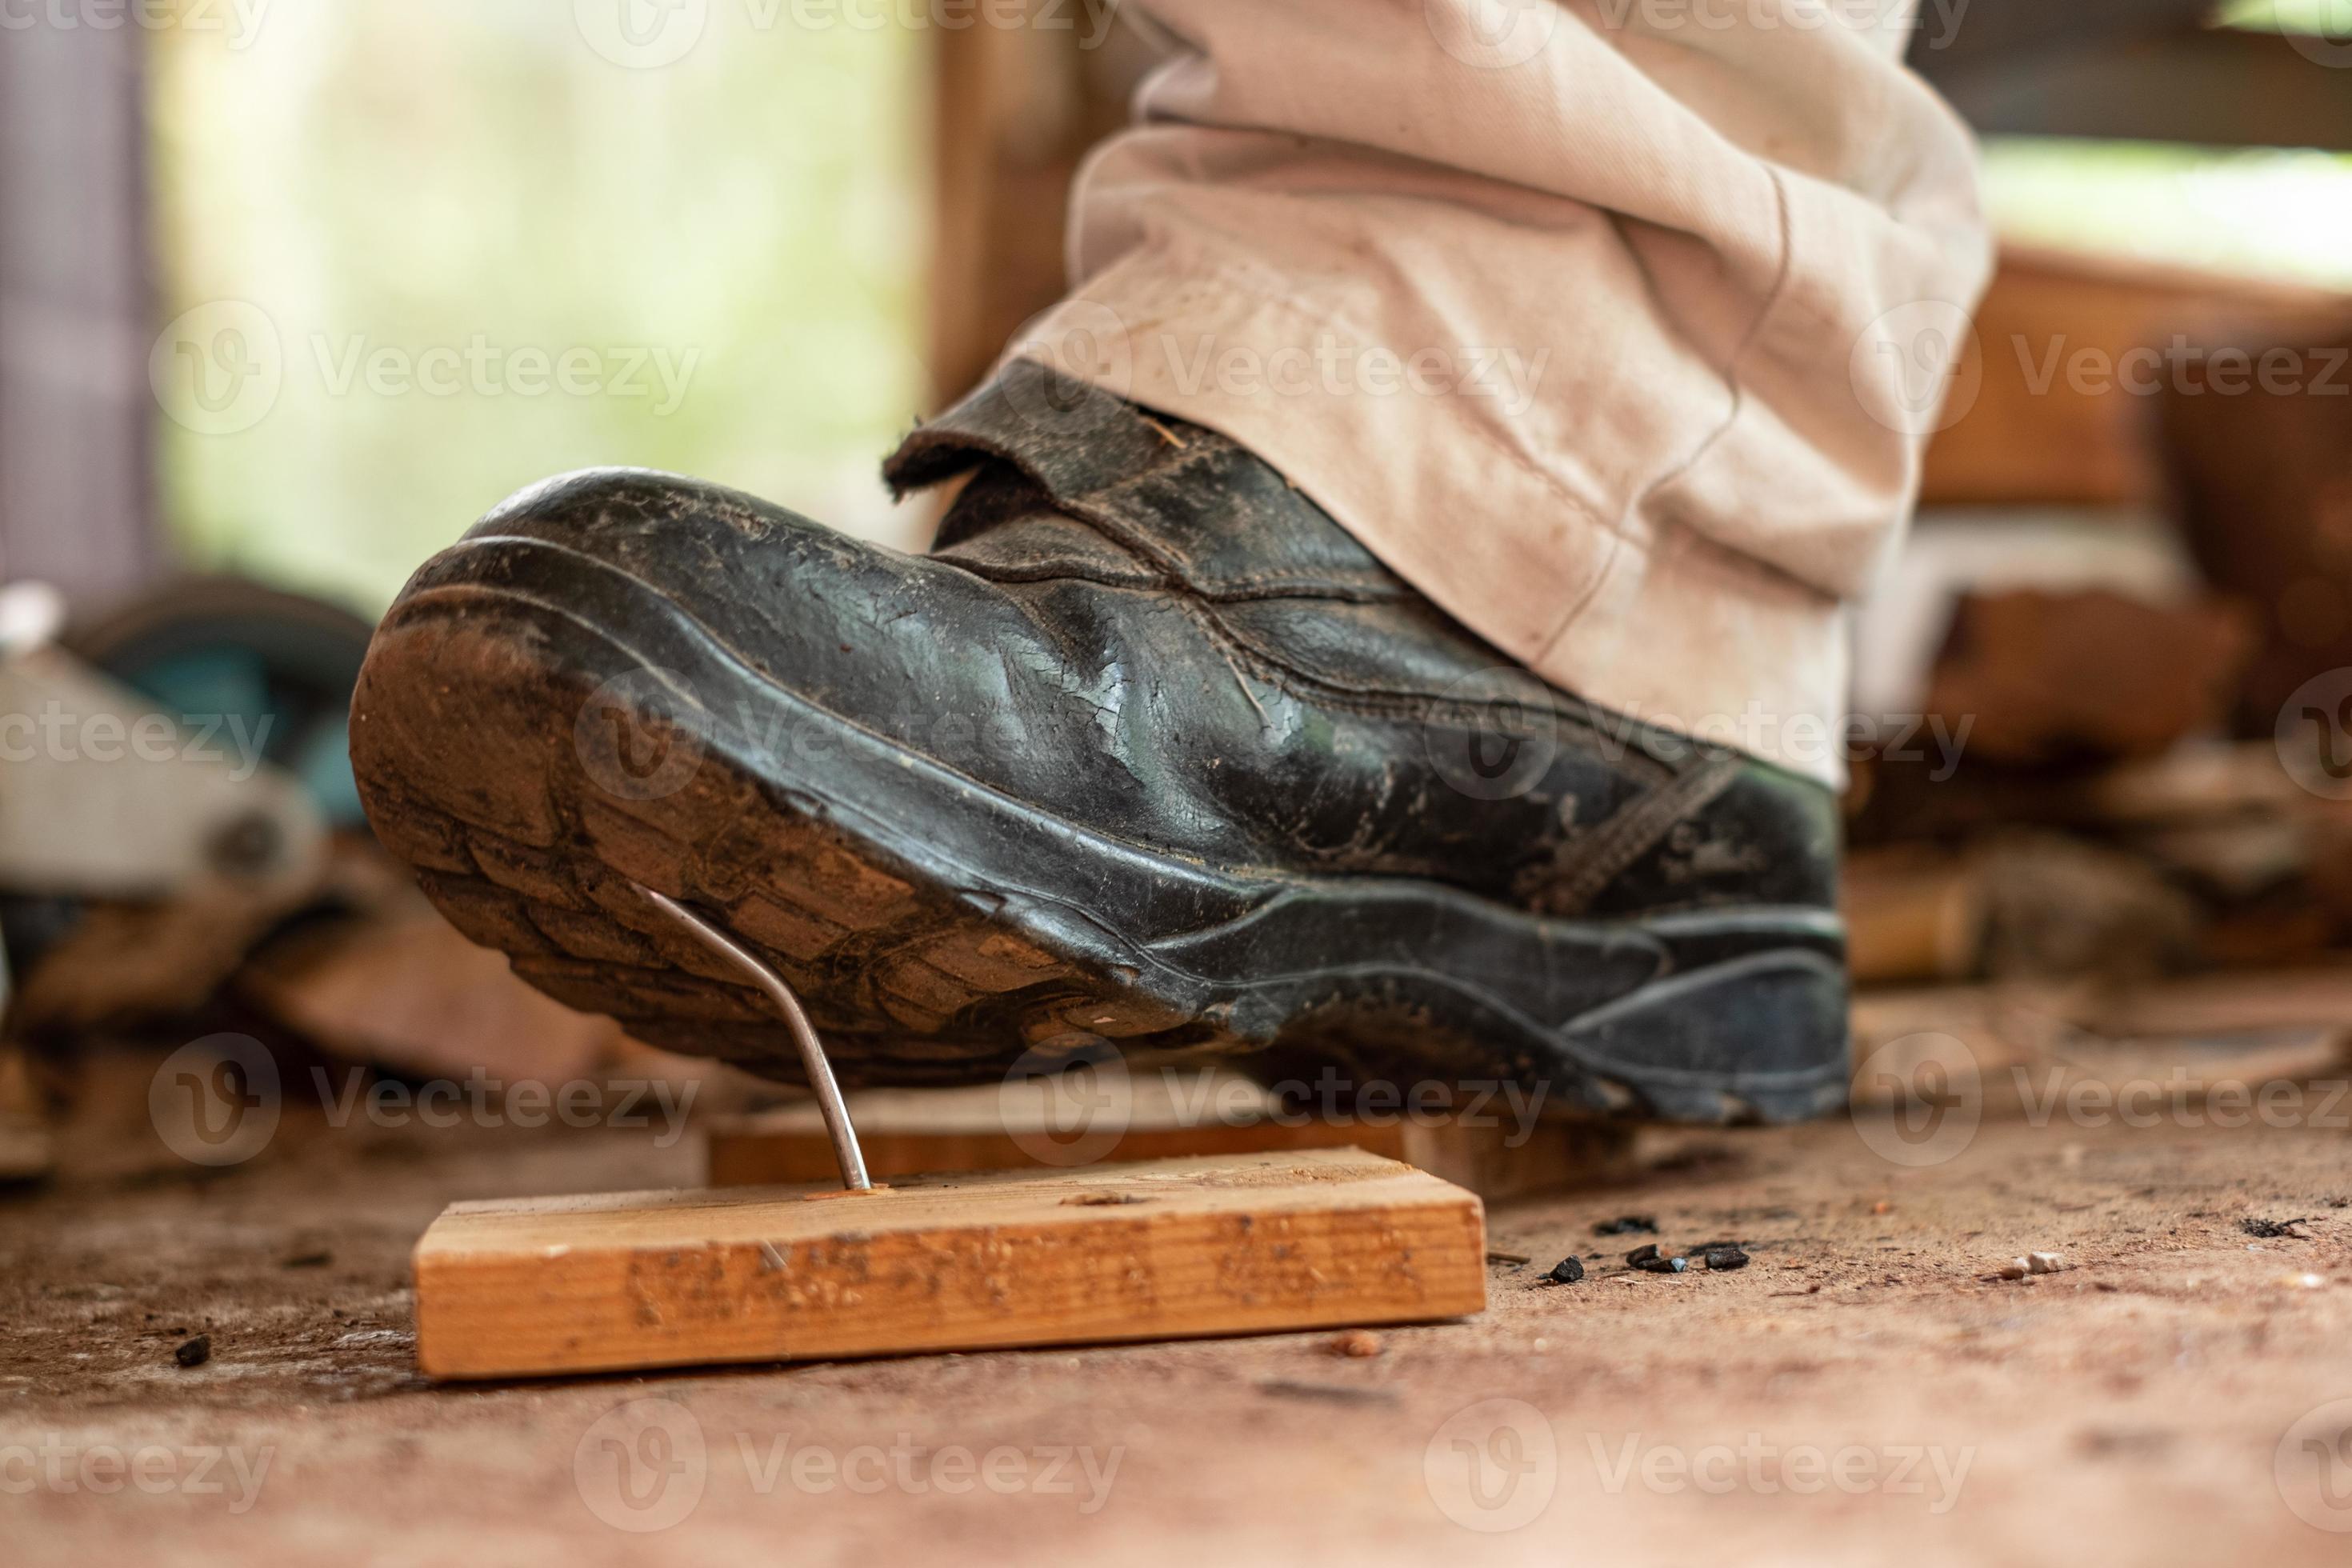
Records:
x=1860, y=1388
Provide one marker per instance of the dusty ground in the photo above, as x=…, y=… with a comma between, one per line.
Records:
x=1858, y=1392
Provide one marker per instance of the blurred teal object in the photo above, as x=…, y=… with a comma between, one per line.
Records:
x=242, y=659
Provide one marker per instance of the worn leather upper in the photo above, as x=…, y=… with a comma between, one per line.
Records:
x=1310, y=707
x=1137, y=626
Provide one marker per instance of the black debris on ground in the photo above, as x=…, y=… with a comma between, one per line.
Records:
x=1566, y=1271
x=1725, y=1257
x=1655, y=1265
x=1628, y=1224
x=1641, y=1257
x=318, y=1260
x=194, y=1352
x=2271, y=1229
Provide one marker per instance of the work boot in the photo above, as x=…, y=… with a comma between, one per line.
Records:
x=1147, y=749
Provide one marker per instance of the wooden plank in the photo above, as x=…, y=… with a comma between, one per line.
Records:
x=1492, y=1151
x=1165, y=1250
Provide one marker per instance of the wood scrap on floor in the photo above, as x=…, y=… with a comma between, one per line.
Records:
x=2152, y=558
x=126, y=963
x=402, y=989
x=2210, y=857
x=2193, y=1039
x=1495, y=1150
x=27, y=1150
x=1163, y=1250
x=2036, y=676
x=2012, y=907
x=2055, y=335
x=2263, y=474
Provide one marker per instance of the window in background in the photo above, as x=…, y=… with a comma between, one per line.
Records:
x=424, y=252
x=2263, y=212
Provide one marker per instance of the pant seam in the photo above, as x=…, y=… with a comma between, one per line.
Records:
x=1783, y=277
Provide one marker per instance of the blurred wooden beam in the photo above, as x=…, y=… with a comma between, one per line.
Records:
x=1015, y=111
x=1963, y=35
x=2216, y=88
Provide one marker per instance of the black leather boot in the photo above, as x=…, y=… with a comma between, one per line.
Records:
x=1147, y=749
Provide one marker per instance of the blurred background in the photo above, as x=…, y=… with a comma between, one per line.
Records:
x=291, y=293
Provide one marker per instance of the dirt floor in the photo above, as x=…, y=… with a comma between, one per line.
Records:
x=1859, y=1390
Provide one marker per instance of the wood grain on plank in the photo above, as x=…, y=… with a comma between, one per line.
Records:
x=1170, y=1248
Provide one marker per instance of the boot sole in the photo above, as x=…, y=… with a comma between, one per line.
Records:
x=532, y=764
